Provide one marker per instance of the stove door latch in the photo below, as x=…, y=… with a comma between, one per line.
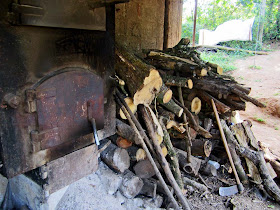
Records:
x=90, y=104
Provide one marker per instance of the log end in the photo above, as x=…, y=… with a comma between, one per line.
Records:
x=123, y=143
x=121, y=160
x=220, y=70
x=131, y=105
x=140, y=154
x=196, y=105
x=167, y=96
x=190, y=84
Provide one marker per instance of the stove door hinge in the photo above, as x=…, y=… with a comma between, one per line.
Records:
x=30, y=101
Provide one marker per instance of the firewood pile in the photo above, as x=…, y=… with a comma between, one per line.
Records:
x=178, y=124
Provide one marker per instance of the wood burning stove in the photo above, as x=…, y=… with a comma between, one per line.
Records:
x=56, y=59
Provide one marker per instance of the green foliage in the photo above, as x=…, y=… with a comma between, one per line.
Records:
x=215, y=12
x=222, y=58
x=255, y=67
x=261, y=120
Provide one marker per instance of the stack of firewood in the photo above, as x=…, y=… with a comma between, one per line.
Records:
x=167, y=127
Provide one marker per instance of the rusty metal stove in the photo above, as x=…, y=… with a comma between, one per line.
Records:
x=56, y=59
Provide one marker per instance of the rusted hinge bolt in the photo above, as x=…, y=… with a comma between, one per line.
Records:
x=11, y=100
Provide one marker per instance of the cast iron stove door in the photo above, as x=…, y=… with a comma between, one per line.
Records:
x=63, y=105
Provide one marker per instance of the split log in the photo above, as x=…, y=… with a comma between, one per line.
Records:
x=116, y=158
x=195, y=184
x=207, y=123
x=164, y=163
x=177, y=81
x=172, y=124
x=149, y=188
x=174, y=163
x=165, y=94
x=243, y=141
x=271, y=158
x=252, y=139
x=221, y=107
x=125, y=131
x=131, y=184
x=144, y=169
x=173, y=107
x=258, y=159
x=143, y=81
x=131, y=105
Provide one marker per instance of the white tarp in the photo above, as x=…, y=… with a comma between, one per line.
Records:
x=230, y=30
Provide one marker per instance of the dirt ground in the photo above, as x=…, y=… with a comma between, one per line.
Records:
x=264, y=80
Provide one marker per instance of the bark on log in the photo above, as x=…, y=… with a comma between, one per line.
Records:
x=174, y=163
x=216, y=68
x=195, y=184
x=221, y=107
x=177, y=81
x=131, y=184
x=143, y=81
x=238, y=165
x=173, y=107
x=201, y=147
x=248, y=98
x=208, y=123
x=164, y=95
x=125, y=131
x=132, y=151
x=116, y=158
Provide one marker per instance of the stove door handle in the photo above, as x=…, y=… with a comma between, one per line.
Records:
x=93, y=123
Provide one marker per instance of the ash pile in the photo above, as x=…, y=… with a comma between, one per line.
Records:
x=179, y=129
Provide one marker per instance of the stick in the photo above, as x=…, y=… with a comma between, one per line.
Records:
x=164, y=185
x=195, y=184
x=162, y=159
x=187, y=137
x=248, y=98
x=239, y=185
x=172, y=154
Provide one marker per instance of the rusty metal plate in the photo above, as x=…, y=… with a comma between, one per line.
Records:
x=59, y=13
x=62, y=107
